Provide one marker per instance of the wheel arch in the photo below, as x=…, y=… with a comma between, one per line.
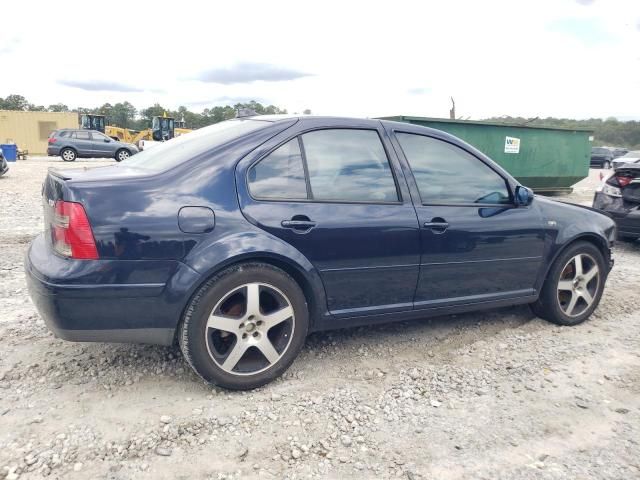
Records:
x=589, y=237
x=308, y=281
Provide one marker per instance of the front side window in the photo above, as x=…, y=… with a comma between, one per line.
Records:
x=98, y=137
x=348, y=165
x=446, y=174
x=280, y=175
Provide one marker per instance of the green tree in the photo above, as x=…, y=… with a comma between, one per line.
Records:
x=122, y=115
x=14, y=102
x=58, y=107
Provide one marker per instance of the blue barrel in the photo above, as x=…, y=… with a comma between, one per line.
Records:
x=10, y=151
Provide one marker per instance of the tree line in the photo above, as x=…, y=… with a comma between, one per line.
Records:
x=125, y=115
x=607, y=132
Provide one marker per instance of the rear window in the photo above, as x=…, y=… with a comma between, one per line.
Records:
x=180, y=149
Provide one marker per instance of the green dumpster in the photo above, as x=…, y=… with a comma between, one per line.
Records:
x=547, y=159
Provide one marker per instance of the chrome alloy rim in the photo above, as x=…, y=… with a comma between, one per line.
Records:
x=123, y=155
x=250, y=329
x=578, y=284
x=68, y=155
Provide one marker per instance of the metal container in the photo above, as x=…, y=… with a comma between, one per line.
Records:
x=547, y=159
x=30, y=130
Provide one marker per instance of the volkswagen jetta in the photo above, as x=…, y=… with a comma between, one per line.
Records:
x=239, y=239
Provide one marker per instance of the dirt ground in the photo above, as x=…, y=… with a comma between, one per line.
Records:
x=492, y=395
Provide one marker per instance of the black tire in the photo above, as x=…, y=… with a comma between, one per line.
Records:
x=606, y=165
x=195, y=337
x=548, y=305
x=68, y=154
x=122, y=154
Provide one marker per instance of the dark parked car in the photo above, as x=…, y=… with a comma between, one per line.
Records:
x=4, y=166
x=619, y=196
x=239, y=239
x=601, y=157
x=73, y=143
x=619, y=152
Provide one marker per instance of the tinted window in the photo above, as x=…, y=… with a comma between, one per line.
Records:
x=447, y=174
x=98, y=136
x=599, y=151
x=82, y=136
x=348, y=165
x=185, y=147
x=280, y=175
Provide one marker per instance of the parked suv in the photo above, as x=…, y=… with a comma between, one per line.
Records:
x=73, y=143
x=239, y=239
x=601, y=157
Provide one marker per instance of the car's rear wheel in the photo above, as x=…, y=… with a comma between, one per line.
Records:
x=606, y=165
x=574, y=285
x=122, y=154
x=68, y=154
x=245, y=326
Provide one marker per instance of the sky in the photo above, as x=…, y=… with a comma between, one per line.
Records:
x=562, y=58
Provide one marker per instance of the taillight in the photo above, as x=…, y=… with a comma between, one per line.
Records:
x=71, y=232
x=52, y=140
x=623, y=181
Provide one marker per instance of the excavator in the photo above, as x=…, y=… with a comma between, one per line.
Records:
x=162, y=129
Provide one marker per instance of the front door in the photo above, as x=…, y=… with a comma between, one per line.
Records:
x=338, y=197
x=477, y=245
x=102, y=145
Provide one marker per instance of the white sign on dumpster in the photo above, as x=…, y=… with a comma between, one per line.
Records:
x=511, y=145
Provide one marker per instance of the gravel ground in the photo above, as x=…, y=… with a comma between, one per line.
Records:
x=490, y=395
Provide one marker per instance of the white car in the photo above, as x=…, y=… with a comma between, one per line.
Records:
x=630, y=157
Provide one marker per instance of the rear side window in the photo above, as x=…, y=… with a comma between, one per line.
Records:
x=82, y=135
x=280, y=175
x=348, y=165
x=446, y=174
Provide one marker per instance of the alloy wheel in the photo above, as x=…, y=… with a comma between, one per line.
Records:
x=250, y=329
x=68, y=155
x=578, y=284
x=123, y=155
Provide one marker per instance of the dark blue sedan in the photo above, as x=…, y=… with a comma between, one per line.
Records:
x=239, y=239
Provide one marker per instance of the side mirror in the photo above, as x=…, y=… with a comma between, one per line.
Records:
x=107, y=140
x=524, y=196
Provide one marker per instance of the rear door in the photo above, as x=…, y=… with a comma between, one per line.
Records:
x=476, y=245
x=336, y=193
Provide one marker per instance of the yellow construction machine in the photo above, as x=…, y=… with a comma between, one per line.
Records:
x=162, y=128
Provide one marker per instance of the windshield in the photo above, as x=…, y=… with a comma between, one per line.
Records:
x=180, y=149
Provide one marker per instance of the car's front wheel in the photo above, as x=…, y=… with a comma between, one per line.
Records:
x=245, y=326
x=68, y=154
x=122, y=154
x=606, y=165
x=574, y=285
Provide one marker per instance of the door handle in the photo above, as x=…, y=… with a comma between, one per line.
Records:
x=299, y=225
x=437, y=225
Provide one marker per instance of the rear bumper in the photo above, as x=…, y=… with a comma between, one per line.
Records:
x=53, y=151
x=626, y=216
x=106, y=300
